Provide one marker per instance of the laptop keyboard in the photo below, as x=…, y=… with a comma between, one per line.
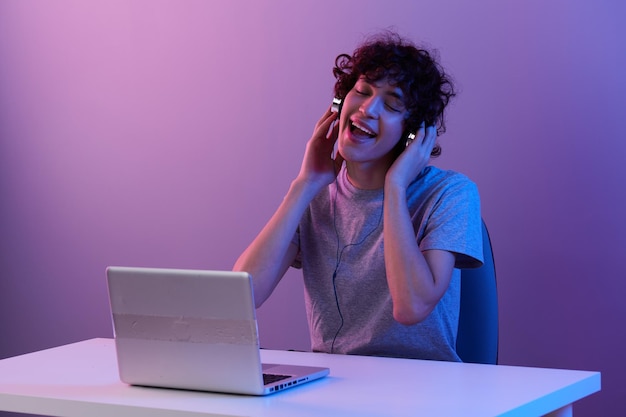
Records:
x=271, y=378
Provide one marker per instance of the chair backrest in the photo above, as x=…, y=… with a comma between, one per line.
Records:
x=477, y=339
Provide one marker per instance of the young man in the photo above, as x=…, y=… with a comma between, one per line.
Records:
x=378, y=234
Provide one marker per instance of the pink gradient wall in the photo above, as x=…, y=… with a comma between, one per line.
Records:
x=165, y=133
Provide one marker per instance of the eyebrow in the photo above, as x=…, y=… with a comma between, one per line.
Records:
x=396, y=92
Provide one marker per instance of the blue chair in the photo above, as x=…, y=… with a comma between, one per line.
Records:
x=477, y=339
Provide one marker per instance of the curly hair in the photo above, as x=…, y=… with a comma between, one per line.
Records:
x=426, y=87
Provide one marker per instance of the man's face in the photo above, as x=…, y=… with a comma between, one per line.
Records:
x=372, y=121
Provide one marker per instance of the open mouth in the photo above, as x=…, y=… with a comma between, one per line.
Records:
x=361, y=131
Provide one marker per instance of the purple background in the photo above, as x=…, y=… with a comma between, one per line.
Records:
x=165, y=133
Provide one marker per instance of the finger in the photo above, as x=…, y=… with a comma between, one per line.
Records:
x=421, y=133
x=430, y=139
x=325, y=127
x=333, y=130
x=430, y=134
x=326, y=118
x=425, y=141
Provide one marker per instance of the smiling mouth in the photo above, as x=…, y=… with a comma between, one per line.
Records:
x=361, y=131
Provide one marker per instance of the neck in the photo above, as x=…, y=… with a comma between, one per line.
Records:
x=367, y=175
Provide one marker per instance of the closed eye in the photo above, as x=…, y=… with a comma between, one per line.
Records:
x=395, y=104
x=393, y=99
x=394, y=108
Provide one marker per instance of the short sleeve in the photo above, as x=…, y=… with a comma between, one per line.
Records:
x=454, y=222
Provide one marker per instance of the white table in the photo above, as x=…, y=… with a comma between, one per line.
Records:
x=81, y=379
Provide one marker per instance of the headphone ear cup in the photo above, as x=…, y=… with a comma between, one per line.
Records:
x=409, y=137
x=336, y=106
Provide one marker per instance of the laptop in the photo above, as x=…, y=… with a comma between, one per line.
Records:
x=195, y=330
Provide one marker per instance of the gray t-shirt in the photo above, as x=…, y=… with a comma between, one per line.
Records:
x=340, y=239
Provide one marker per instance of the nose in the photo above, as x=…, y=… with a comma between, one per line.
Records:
x=371, y=106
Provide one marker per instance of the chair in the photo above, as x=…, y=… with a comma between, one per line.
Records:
x=477, y=339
